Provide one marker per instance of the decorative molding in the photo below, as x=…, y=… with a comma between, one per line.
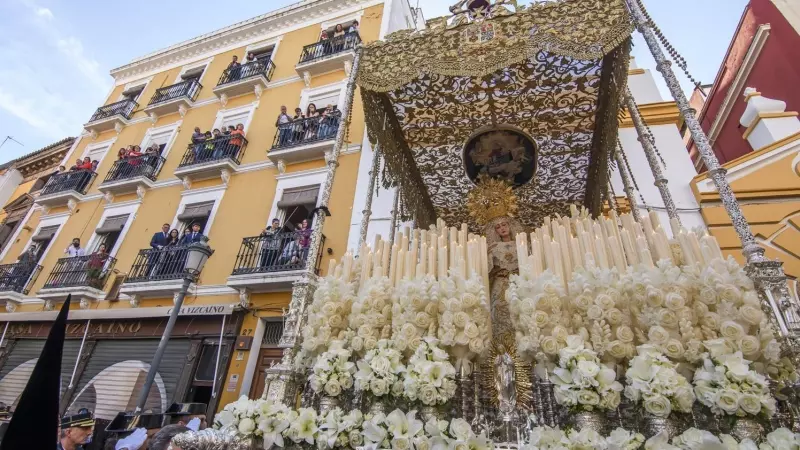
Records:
x=636, y=72
x=307, y=78
x=766, y=115
x=284, y=82
x=135, y=300
x=281, y=166
x=223, y=99
x=187, y=183
x=348, y=67
x=662, y=113
x=118, y=126
x=72, y=205
x=140, y=192
x=258, y=90
x=739, y=81
x=153, y=117
x=49, y=305
x=205, y=190
x=108, y=197
x=182, y=110
x=85, y=303
x=244, y=298
x=225, y=174
x=93, y=134
x=11, y=306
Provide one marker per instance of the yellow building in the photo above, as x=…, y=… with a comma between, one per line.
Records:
x=231, y=186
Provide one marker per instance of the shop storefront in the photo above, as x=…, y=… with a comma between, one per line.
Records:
x=107, y=355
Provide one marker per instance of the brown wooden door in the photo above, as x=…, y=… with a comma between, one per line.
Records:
x=266, y=358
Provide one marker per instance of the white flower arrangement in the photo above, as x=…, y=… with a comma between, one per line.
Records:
x=538, y=312
x=463, y=316
x=332, y=371
x=339, y=430
x=327, y=315
x=456, y=434
x=600, y=311
x=547, y=438
x=582, y=381
x=371, y=315
x=256, y=418
x=695, y=439
x=654, y=381
x=429, y=377
x=662, y=305
x=380, y=371
x=726, y=384
x=415, y=307
x=397, y=430
x=303, y=428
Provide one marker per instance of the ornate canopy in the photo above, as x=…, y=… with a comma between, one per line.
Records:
x=552, y=72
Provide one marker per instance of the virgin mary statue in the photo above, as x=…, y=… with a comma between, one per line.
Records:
x=493, y=204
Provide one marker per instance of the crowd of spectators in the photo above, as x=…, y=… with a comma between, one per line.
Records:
x=281, y=250
x=313, y=125
x=217, y=144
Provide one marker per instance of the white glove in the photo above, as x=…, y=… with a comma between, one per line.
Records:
x=194, y=424
x=132, y=442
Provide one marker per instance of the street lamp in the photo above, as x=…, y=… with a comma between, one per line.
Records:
x=196, y=256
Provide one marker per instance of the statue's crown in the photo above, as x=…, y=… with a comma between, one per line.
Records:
x=491, y=198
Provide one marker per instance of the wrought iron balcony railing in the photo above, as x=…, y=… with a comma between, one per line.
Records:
x=123, y=108
x=279, y=252
x=329, y=47
x=307, y=131
x=147, y=166
x=256, y=68
x=18, y=277
x=81, y=271
x=74, y=180
x=166, y=263
x=224, y=147
x=188, y=88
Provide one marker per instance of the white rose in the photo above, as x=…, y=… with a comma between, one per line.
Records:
x=625, y=334
x=460, y=319
x=731, y=330
x=460, y=429
x=583, y=302
x=560, y=333
x=674, y=349
x=549, y=345
x=655, y=297
x=708, y=295
x=668, y=318
x=658, y=405
x=604, y=301
x=685, y=399
x=594, y=312
x=477, y=345
x=246, y=426
x=471, y=330
x=658, y=335
x=588, y=369
x=540, y=318
x=711, y=320
x=751, y=314
x=422, y=320
x=588, y=398
x=401, y=444
x=749, y=345
x=750, y=404
x=614, y=316
x=379, y=386
x=728, y=401
x=782, y=438
x=730, y=293
x=617, y=349
x=427, y=394
x=674, y=301
x=333, y=388
x=335, y=321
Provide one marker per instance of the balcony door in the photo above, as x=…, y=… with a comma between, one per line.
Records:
x=42, y=240
x=195, y=213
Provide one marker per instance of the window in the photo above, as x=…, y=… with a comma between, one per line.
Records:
x=195, y=213
x=109, y=233
x=133, y=93
x=296, y=205
x=163, y=136
x=98, y=151
x=323, y=96
x=193, y=74
x=262, y=54
x=43, y=239
x=235, y=116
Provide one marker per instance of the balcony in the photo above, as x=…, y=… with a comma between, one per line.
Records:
x=176, y=98
x=109, y=117
x=17, y=279
x=213, y=158
x=272, y=263
x=156, y=272
x=327, y=56
x=66, y=188
x=251, y=77
x=83, y=277
x=132, y=174
x=305, y=139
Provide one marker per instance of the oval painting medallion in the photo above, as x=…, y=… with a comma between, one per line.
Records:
x=502, y=153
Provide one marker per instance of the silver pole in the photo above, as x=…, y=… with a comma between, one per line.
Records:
x=80, y=352
x=367, y=213
x=216, y=365
x=752, y=251
x=652, y=159
x=626, y=183
x=162, y=345
x=3, y=339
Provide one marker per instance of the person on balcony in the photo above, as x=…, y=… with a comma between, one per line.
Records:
x=219, y=145
x=95, y=268
x=72, y=269
x=208, y=148
x=198, y=138
x=338, y=38
x=159, y=240
x=304, y=239
x=270, y=245
x=195, y=235
x=236, y=141
x=23, y=269
x=353, y=27
x=312, y=124
x=328, y=123
x=122, y=154
x=284, y=131
x=75, y=250
x=298, y=125
x=324, y=47
x=172, y=259
x=234, y=69
x=95, y=163
x=290, y=256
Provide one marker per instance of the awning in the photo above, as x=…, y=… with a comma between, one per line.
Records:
x=196, y=211
x=127, y=313
x=112, y=224
x=299, y=196
x=45, y=234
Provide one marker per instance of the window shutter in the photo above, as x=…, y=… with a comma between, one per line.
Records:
x=112, y=224
x=45, y=234
x=299, y=196
x=196, y=211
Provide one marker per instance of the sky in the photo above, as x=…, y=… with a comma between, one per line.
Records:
x=55, y=55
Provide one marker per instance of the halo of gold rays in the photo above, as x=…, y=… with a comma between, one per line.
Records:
x=491, y=198
x=522, y=371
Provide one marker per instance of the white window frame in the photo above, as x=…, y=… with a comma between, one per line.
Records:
x=203, y=195
x=204, y=63
x=296, y=180
x=348, y=19
x=59, y=220
x=171, y=129
x=274, y=43
x=144, y=83
x=224, y=114
x=306, y=95
x=111, y=211
x=108, y=144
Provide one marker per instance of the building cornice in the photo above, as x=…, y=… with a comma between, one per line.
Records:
x=252, y=30
x=662, y=113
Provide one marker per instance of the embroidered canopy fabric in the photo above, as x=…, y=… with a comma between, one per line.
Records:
x=554, y=71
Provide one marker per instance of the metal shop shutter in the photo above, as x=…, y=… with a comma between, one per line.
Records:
x=116, y=371
x=68, y=358
x=17, y=370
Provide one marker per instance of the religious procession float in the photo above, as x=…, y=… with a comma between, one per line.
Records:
x=515, y=314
